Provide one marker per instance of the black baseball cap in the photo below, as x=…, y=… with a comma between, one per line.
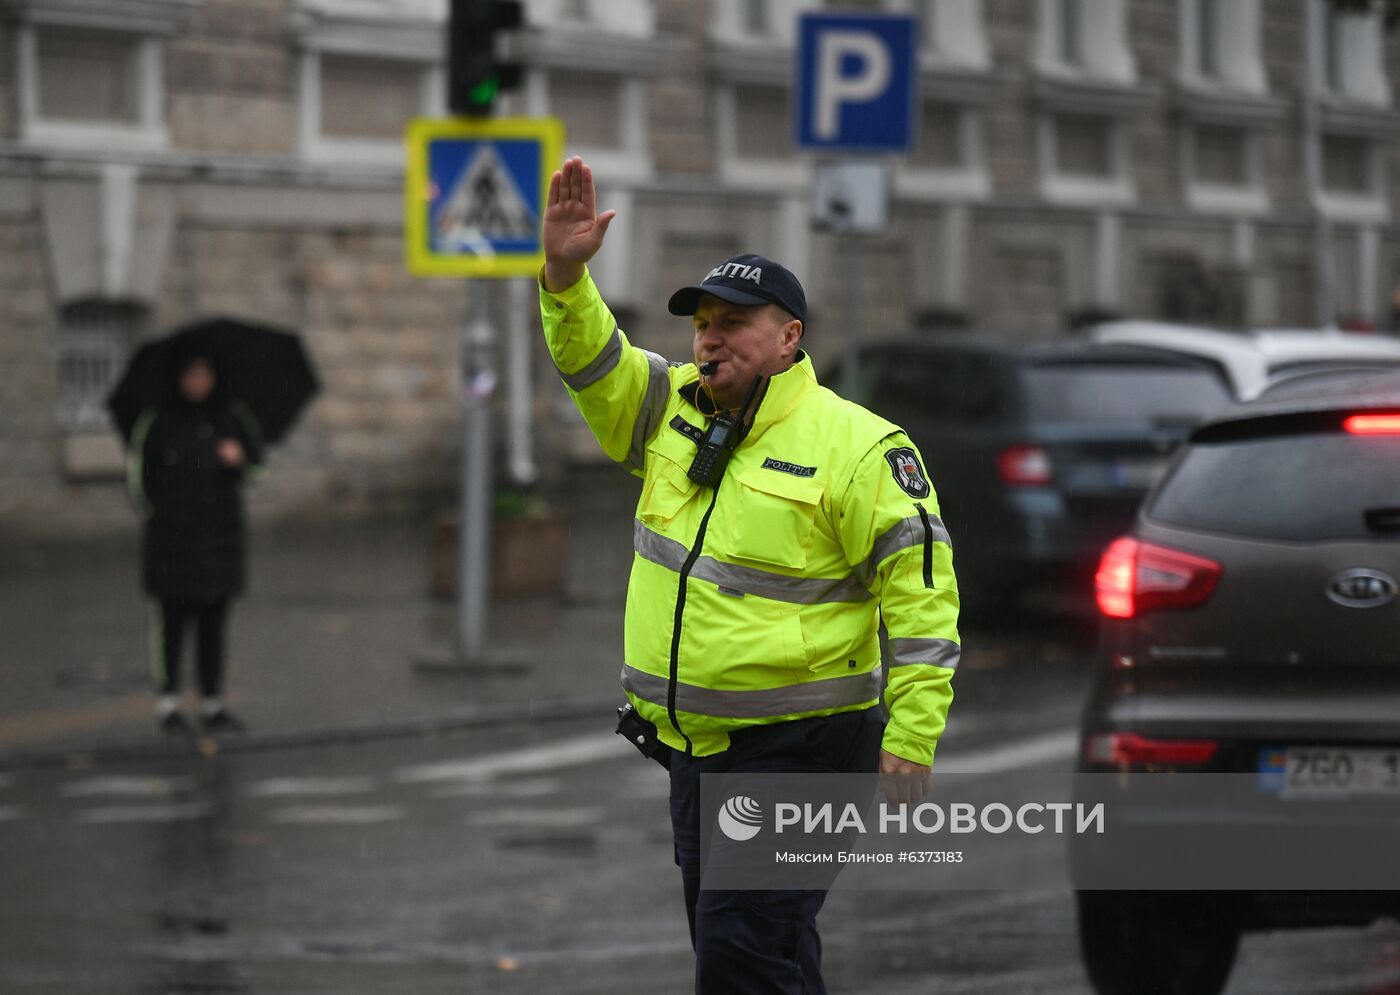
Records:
x=746, y=279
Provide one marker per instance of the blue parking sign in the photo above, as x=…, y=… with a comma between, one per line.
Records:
x=857, y=82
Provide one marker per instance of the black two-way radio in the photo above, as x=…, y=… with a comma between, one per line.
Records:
x=723, y=436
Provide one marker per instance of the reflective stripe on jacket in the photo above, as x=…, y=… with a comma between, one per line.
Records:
x=760, y=600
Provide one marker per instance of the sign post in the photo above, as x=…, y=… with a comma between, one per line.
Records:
x=474, y=196
x=856, y=95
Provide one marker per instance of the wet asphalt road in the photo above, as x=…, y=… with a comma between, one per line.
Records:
x=508, y=861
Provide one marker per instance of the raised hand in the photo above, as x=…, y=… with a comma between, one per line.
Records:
x=573, y=230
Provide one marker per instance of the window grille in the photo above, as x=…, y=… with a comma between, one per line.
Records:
x=94, y=341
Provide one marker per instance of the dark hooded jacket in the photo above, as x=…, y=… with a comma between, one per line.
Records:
x=193, y=546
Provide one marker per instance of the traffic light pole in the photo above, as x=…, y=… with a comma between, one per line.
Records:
x=474, y=518
x=474, y=79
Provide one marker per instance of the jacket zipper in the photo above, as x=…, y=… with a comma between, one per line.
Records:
x=928, y=546
x=676, y=629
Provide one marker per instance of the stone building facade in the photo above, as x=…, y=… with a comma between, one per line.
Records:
x=166, y=159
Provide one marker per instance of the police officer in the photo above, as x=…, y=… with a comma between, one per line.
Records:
x=756, y=594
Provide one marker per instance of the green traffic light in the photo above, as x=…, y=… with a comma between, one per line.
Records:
x=485, y=91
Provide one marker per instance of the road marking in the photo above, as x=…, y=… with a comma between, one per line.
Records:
x=575, y=751
x=323, y=787
x=6, y=781
x=50, y=725
x=536, y=818
x=122, y=786
x=1040, y=750
x=175, y=812
x=647, y=781
x=12, y=813
x=534, y=787
x=338, y=815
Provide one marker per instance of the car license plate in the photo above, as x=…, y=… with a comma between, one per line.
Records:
x=1139, y=474
x=1328, y=772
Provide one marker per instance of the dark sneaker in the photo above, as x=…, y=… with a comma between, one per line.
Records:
x=223, y=721
x=174, y=724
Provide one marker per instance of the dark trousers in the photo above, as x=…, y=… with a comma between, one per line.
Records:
x=759, y=942
x=172, y=620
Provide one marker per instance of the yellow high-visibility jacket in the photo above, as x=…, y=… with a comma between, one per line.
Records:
x=760, y=600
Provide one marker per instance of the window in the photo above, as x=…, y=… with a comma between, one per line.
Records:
x=591, y=104
x=1224, y=106
x=1083, y=146
x=762, y=23
x=1069, y=33
x=99, y=86
x=755, y=16
x=940, y=140
x=366, y=68
x=1084, y=38
x=1220, y=156
x=598, y=78
x=1121, y=392
x=368, y=98
x=952, y=32
x=753, y=138
x=761, y=118
x=1353, y=64
x=1207, y=38
x=1083, y=158
x=948, y=162
x=1220, y=45
x=1303, y=487
x=626, y=18
x=1348, y=165
x=94, y=339
x=86, y=75
x=354, y=107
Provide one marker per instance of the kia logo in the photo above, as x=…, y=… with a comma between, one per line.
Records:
x=1361, y=588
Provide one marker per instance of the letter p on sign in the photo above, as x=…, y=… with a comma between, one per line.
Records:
x=835, y=87
x=856, y=82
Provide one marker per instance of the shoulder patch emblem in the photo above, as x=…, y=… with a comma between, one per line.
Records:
x=785, y=467
x=908, y=474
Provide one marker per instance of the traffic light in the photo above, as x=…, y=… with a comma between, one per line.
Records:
x=474, y=74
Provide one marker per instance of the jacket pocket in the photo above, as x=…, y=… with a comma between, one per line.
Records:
x=771, y=518
x=665, y=492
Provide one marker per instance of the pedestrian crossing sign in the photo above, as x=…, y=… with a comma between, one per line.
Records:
x=474, y=194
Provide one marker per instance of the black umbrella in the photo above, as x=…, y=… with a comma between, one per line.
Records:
x=266, y=368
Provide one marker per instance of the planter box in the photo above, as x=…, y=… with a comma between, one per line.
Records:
x=528, y=556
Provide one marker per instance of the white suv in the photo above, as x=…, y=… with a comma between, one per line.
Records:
x=1251, y=361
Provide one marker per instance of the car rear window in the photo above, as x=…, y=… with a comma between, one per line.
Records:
x=1315, y=486
x=1122, y=392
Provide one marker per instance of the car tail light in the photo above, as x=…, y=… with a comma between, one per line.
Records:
x=1379, y=424
x=1124, y=748
x=1135, y=576
x=1023, y=466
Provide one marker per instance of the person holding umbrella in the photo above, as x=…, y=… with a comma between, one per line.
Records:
x=189, y=458
x=197, y=409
